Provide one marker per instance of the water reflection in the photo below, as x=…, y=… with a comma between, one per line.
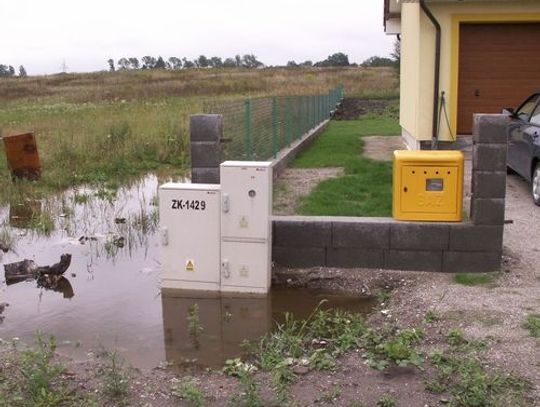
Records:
x=204, y=330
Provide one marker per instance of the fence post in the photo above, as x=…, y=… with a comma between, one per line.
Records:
x=274, y=126
x=247, y=129
x=289, y=120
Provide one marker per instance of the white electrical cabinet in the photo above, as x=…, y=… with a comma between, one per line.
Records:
x=190, y=219
x=246, y=202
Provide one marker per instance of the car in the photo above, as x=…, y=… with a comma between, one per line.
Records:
x=524, y=142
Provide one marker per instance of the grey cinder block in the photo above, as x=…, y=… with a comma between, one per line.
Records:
x=489, y=184
x=471, y=262
x=200, y=175
x=299, y=256
x=489, y=157
x=302, y=233
x=490, y=128
x=352, y=257
x=413, y=260
x=487, y=211
x=418, y=236
x=469, y=237
x=205, y=154
x=206, y=127
x=367, y=235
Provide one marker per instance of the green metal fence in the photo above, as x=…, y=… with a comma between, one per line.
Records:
x=258, y=128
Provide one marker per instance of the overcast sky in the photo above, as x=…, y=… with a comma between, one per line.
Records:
x=41, y=34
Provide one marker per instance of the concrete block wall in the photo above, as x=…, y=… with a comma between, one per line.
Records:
x=206, y=134
x=384, y=243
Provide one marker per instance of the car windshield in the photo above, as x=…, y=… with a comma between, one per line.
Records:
x=526, y=109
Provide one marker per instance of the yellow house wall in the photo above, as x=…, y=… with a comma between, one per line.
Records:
x=418, y=48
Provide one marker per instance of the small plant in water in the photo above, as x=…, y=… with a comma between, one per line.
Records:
x=8, y=240
x=193, y=319
x=189, y=390
x=42, y=223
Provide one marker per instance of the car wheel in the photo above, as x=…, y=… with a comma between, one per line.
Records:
x=535, y=186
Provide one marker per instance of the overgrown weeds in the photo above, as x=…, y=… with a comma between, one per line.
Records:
x=115, y=377
x=474, y=279
x=8, y=240
x=532, y=324
x=460, y=371
x=34, y=377
x=189, y=390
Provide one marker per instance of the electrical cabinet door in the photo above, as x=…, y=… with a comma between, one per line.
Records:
x=190, y=221
x=245, y=267
x=246, y=200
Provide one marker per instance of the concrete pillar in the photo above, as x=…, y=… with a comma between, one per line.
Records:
x=206, y=133
x=490, y=139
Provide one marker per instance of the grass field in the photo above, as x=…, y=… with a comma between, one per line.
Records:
x=366, y=187
x=107, y=127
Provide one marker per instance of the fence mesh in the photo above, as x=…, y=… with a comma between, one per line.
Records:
x=258, y=128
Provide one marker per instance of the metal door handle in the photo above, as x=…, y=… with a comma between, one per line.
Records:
x=477, y=92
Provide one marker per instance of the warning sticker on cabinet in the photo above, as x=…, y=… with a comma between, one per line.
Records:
x=190, y=265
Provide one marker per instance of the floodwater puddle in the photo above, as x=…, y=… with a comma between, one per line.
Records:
x=110, y=296
x=205, y=331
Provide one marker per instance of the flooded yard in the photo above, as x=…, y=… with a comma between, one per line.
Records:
x=110, y=297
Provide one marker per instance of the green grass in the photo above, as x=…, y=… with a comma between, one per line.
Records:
x=115, y=126
x=532, y=324
x=474, y=279
x=366, y=187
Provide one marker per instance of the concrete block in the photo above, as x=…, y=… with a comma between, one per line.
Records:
x=488, y=184
x=490, y=128
x=206, y=127
x=299, y=256
x=200, y=175
x=469, y=237
x=205, y=154
x=418, y=236
x=302, y=233
x=418, y=260
x=471, y=262
x=351, y=258
x=489, y=157
x=365, y=235
x=487, y=211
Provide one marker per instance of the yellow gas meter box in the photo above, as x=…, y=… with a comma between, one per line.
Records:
x=428, y=185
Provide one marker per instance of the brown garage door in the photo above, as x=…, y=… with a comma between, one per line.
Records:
x=499, y=66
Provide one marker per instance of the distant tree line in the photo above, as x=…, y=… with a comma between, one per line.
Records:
x=174, y=63
x=338, y=59
x=8, y=71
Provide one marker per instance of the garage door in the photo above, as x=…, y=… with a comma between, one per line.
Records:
x=499, y=66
